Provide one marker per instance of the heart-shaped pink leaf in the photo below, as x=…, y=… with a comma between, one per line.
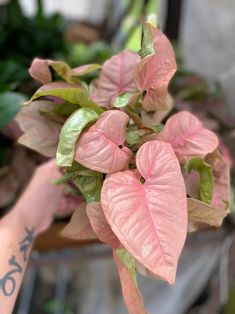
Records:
x=150, y=218
x=79, y=227
x=100, y=225
x=187, y=136
x=154, y=72
x=116, y=77
x=98, y=148
x=131, y=294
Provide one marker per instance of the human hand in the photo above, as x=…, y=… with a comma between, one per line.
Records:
x=41, y=199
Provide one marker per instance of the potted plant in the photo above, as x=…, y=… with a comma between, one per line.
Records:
x=141, y=181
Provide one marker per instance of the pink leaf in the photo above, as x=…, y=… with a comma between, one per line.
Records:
x=79, y=227
x=100, y=225
x=85, y=69
x=154, y=72
x=116, y=77
x=221, y=173
x=187, y=136
x=98, y=148
x=41, y=132
x=132, y=296
x=150, y=218
x=40, y=71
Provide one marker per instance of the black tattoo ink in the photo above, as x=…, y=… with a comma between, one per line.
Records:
x=26, y=243
x=8, y=283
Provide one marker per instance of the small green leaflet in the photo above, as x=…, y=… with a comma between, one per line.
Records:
x=10, y=105
x=157, y=127
x=71, y=75
x=63, y=70
x=68, y=92
x=206, y=177
x=74, y=171
x=90, y=187
x=123, y=99
x=128, y=261
x=70, y=133
x=132, y=137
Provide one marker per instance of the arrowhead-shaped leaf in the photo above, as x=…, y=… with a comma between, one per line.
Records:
x=187, y=136
x=69, y=92
x=41, y=132
x=40, y=70
x=79, y=227
x=155, y=71
x=98, y=148
x=116, y=77
x=100, y=225
x=150, y=218
x=70, y=133
x=132, y=296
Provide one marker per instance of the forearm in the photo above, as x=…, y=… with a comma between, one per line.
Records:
x=17, y=236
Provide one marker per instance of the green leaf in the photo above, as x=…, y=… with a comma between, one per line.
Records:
x=128, y=261
x=123, y=99
x=132, y=137
x=68, y=92
x=147, y=47
x=70, y=133
x=65, y=109
x=10, y=105
x=157, y=127
x=79, y=170
x=90, y=187
x=63, y=70
x=63, y=179
x=206, y=177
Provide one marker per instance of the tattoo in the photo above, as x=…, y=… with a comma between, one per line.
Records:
x=26, y=243
x=8, y=283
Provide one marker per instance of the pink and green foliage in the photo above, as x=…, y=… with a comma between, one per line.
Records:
x=129, y=204
x=99, y=148
x=140, y=180
x=109, y=86
x=154, y=72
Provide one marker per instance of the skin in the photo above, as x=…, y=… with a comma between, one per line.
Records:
x=32, y=215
